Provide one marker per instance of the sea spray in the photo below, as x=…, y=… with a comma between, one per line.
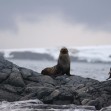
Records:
x=37, y=105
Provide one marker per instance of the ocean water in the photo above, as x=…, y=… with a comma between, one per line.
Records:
x=98, y=71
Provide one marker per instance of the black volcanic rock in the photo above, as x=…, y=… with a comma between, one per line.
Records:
x=30, y=56
x=3, y=76
x=1, y=55
x=18, y=83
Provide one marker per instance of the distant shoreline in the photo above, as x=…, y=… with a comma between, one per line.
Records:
x=81, y=54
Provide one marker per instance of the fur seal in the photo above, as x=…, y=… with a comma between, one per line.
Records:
x=62, y=67
x=109, y=74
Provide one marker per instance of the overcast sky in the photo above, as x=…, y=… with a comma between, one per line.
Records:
x=51, y=23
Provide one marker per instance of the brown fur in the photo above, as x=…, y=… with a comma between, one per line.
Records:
x=109, y=74
x=62, y=67
x=49, y=71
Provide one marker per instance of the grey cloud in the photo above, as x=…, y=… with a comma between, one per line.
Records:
x=94, y=13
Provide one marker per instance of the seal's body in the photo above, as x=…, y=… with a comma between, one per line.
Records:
x=50, y=71
x=64, y=61
x=62, y=67
x=109, y=74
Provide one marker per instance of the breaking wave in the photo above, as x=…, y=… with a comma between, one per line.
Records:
x=37, y=105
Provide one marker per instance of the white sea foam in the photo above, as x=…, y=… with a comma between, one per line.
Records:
x=33, y=105
x=19, y=105
x=89, y=54
x=93, y=54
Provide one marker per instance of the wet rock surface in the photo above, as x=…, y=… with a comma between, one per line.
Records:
x=18, y=83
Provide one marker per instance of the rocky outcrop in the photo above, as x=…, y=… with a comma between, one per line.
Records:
x=18, y=83
x=28, y=55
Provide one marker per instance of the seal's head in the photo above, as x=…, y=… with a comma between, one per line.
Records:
x=64, y=50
